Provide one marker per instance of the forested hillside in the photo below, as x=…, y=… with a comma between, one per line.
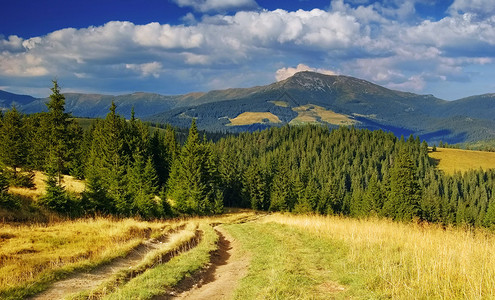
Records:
x=304, y=98
x=130, y=171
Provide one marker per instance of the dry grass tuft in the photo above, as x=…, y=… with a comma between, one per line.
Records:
x=457, y=160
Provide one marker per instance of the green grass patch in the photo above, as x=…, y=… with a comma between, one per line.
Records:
x=289, y=263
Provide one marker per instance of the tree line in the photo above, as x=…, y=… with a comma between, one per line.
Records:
x=131, y=170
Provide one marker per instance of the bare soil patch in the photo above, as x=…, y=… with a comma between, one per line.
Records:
x=219, y=281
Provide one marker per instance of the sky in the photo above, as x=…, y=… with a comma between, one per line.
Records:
x=445, y=48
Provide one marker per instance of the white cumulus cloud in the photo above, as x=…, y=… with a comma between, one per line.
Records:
x=285, y=73
x=480, y=7
x=147, y=69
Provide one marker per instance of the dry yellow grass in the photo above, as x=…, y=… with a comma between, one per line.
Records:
x=31, y=252
x=310, y=113
x=70, y=183
x=249, y=118
x=280, y=103
x=452, y=160
x=410, y=261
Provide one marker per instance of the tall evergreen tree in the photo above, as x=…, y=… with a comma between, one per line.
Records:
x=190, y=185
x=142, y=185
x=13, y=146
x=282, y=196
x=58, y=139
x=403, y=197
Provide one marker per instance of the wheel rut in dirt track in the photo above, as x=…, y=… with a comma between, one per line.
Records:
x=219, y=280
x=84, y=281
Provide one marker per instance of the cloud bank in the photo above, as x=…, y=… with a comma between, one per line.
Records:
x=373, y=42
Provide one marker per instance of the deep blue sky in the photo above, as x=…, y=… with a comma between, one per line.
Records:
x=445, y=48
x=28, y=18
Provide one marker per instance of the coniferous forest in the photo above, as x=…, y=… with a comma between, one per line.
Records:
x=132, y=169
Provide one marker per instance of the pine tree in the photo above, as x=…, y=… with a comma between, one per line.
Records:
x=6, y=199
x=403, y=197
x=282, y=196
x=191, y=185
x=142, y=187
x=56, y=197
x=58, y=138
x=13, y=147
x=489, y=219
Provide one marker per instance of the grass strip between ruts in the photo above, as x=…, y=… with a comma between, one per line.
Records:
x=163, y=277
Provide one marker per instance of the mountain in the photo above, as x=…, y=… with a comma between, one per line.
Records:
x=94, y=105
x=8, y=99
x=310, y=97
x=306, y=97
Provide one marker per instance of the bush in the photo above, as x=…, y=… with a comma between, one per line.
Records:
x=7, y=200
x=21, y=179
x=57, y=199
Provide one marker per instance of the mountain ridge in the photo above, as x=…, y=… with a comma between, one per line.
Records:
x=307, y=96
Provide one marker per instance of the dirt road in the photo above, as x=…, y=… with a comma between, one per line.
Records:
x=85, y=281
x=228, y=266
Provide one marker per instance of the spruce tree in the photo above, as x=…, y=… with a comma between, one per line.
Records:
x=55, y=198
x=489, y=219
x=191, y=184
x=13, y=147
x=142, y=185
x=58, y=135
x=403, y=197
x=114, y=160
x=107, y=165
x=7, y=200
x=282, y=196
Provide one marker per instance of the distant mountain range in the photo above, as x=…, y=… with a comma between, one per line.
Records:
x=306, y=97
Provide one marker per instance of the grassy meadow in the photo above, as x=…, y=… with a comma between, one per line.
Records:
x=292, y=257
x=249, y=118
x=317, y=257
x=32, y=256
x=457, y=160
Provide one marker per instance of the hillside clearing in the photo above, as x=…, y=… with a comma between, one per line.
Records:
x=249, y=118
x=314, y=114
x=280, y=103
x=457, y=160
